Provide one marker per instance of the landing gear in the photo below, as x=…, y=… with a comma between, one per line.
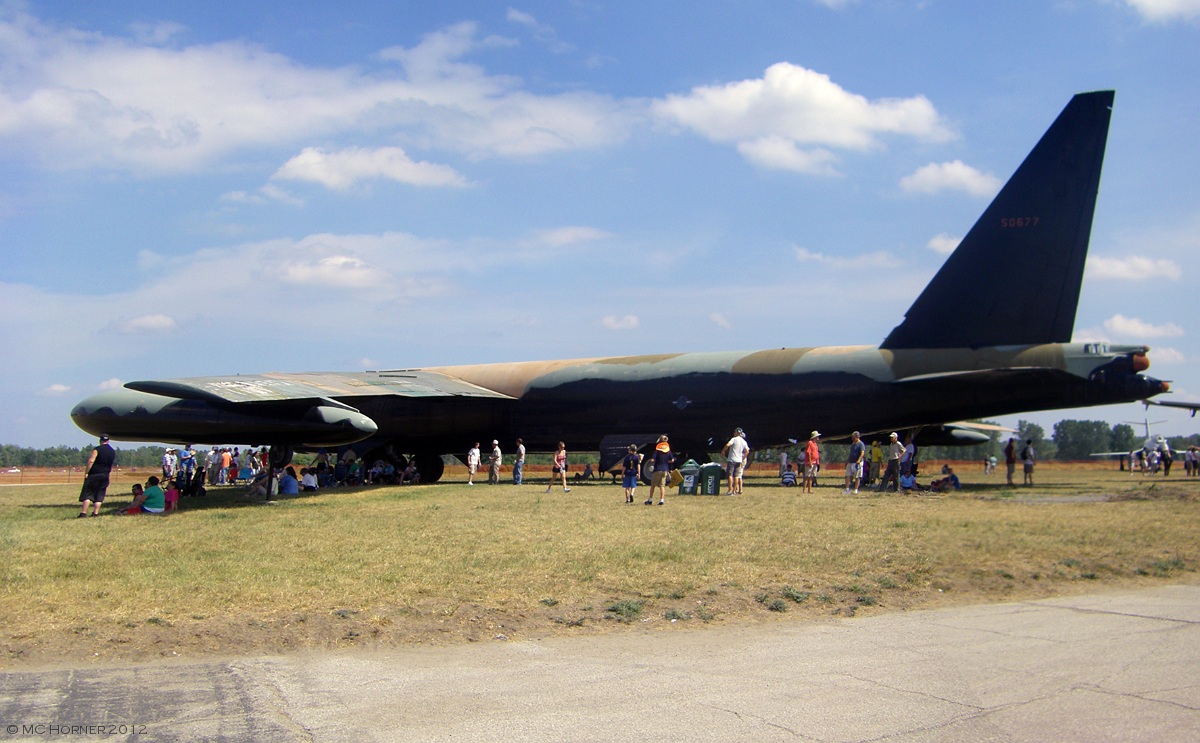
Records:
x=430, y=466
x=280, y=457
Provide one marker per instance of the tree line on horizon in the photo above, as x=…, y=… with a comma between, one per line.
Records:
x=1070, y=440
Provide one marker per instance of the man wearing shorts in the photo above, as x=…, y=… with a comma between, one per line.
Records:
x=664, y=459
x=854, y=463
x=95, y=482
x=735, y=453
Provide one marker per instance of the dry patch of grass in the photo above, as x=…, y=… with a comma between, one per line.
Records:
x=450, y=563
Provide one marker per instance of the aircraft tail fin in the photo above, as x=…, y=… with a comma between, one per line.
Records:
x=1015, y=278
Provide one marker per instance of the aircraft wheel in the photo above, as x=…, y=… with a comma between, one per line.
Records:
x=430, y=466
x=280, y=456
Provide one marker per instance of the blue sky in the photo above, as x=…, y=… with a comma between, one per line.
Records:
x=190, y=189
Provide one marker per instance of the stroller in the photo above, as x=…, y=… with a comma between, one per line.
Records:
x=195, y=486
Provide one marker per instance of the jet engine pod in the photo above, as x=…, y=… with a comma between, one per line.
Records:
x=334, y=426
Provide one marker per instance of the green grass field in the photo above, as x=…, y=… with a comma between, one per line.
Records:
x=446, y=563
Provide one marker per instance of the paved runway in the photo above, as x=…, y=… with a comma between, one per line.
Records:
x=1112, y=666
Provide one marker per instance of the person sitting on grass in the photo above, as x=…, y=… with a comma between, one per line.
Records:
x=908, y=482
x=944, y=484
x=788, y=479
x=288, y=484
x=152, y=499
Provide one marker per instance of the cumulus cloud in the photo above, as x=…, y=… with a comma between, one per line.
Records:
x=612, y=322
x=87, y=99
x=342, y=169
x=1131, y=327
x=1133, y=268
x=331, y=271
x=54, y=390
x=111, y=384
x=1164, y=11
x=148, y=324
x=792, y=117
x=943, y=244
x=952, y=176
x=1167, y=355
x=878, y=259
x=720, y=320
x=783, y=154
x=571, y=235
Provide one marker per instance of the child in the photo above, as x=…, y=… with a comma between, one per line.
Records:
x=171, y=498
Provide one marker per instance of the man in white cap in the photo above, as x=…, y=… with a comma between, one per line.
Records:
x=895, y=451
x=812, y=461
x=736, y=453
x=494, y=464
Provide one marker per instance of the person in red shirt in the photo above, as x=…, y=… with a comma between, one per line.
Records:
x=812, y=461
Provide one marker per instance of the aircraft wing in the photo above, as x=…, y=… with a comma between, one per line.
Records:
x=1192, y=406
x=327, y=386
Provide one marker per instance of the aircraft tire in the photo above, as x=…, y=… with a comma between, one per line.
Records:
x=280, y=456
x=430, y=466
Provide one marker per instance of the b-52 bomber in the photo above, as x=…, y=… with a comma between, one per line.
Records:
x=990, y=335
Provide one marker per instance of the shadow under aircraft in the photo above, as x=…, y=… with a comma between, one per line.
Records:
x=989, y=336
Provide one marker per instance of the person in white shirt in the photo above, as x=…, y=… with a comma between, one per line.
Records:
x=472, y=463
x=736, y=452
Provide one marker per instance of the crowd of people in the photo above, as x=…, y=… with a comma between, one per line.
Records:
x=891, y=467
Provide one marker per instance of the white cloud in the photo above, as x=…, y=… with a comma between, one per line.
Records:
x=342, y=169
x=878, y=259
x=612, y=322
x=1167, y=355
x=571, y=235
x=943, y=244
x=85, y=99
x=148, y=324
x=334, y=270
x=111, y=384
x=1122, y=326
x=1163, y=11
x=792, y=116
x=952, y=176
x=1133, y=268
x=54, y=390
x=720, y=320
x=783, y=154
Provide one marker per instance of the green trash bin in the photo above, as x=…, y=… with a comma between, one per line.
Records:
x=690, y=471
x=710, y=478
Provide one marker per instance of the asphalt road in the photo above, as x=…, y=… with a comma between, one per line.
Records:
x=1112, y=666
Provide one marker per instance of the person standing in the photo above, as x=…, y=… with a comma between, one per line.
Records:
x=664, y=459
x=631, y=466
x=876, y=462
x=472, y=463
x=95, y=476
x=559, y=468
x=494, y=462
x=892, y=472
x=1010, y=458
x=519, y=464
x=168, y=464
x=736, y=452
x=1028, y=457
x=187, y=461
x=854, y=462
x=812, y=460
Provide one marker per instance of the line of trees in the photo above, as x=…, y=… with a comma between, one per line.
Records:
x=67, y=456
x=1071, y=439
